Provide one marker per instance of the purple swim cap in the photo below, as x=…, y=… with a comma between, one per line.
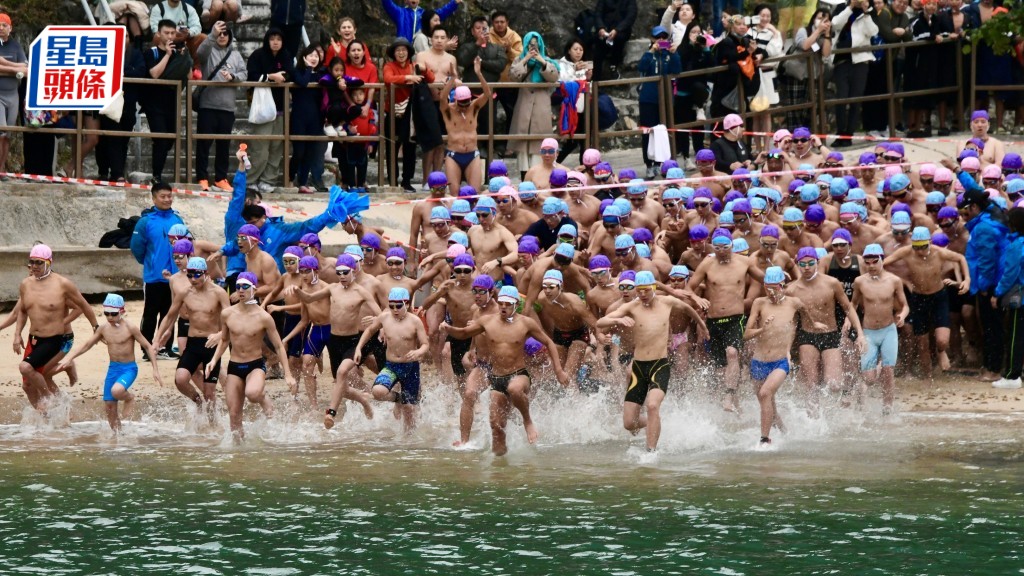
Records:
x=184, y=246
x=395, y=252
x=642, y=235
x=370, y=240
x=947, y=212
x=626, y=174
x=291, y=251
x=309, y=262
x=248, y=276
x=346, y=261
x=939, y=239
x=558, y=178
x=899, y=207
x=310, y=239
x=464, y=260
x=703, y=192
x=843, y=234
x=704, y=155
x=1012, y=161
x=529, y=245
x=699, y=232
x=802, y=132
x=497, y=168
x=467, y=190
x=627, y=275
x=436, y=179
x=814, y=214
x=667, y=164
x=483, y=281
x=806, y=252
x=770, y=231
x=600, y=262
x=733, y=195
x=250, y=231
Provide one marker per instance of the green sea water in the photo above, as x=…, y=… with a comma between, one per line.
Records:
x=919, y=494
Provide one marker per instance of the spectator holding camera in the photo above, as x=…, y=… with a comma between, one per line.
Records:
x=167, y=59
x=659, y=60
x=692, y=92
x=219, y=62
x=818, y=32
x=740, y=54
x=855, y=26
x=676, y=18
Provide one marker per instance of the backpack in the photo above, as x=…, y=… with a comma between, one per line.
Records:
x=585, y=25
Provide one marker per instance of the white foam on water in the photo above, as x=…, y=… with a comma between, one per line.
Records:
x=855, y=490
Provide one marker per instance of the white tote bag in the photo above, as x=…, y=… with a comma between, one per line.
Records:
x=262, y=109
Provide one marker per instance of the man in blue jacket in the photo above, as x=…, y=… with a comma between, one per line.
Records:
x=275, y=234
x=151, y=247
x=409, y=18
x=984, y=249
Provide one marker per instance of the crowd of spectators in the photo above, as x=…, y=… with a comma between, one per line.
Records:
x=193, y=39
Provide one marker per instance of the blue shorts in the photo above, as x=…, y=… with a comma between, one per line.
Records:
x=295, y=344
x=761, y=370
x=407, y=374
x=123, y=373
x=316, y=339
x=882, y=342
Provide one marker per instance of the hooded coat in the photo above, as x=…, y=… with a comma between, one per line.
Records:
x=263, y=62
x=149, y=243
x=532, y=114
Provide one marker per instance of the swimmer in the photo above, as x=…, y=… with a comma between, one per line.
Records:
x=204, y=301
x=407, y=345
x=493, y=245
x=42, y=293
x=311, y=330
x=462, y=158
x=880, y=294
x=508, y=377
x=772, y=326
x=648, y=318
x=120, y=336
x=244, y=327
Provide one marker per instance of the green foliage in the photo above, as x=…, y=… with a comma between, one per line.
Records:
x=1001, y=32
x=31, y=16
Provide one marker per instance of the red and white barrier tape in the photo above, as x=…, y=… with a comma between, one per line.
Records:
x=823, y=137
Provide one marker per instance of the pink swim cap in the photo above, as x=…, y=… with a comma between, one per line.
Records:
x=970, y=163
x=463, y=93
x=455, y=250
x=928, y=169
x=992, y=171
x=549, y=143
x=41, y=252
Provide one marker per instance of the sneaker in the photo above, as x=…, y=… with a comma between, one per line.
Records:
x=943, y=131
x=305, y=190
x=165, y=355
x=204, y=185
x=876, y=134
x=329, y=154
x=408, y=188
x=1006, y=384
x=224, y=185
x=265, y=188
x=652, y=172
x=689, y=164
x=701, y=115
x=330, y=131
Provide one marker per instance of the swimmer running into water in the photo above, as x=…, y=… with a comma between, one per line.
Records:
x=772, y=326
x=120, y=336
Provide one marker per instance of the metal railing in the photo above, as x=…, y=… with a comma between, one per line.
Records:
x=817, y=105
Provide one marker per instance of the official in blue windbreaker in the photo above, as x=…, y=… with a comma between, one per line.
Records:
x=1008, y=296
x=151, y=247
x=409, y=18
x=275, y=233
x=985, y=222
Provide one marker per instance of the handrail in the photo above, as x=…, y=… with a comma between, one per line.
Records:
x=817, y=103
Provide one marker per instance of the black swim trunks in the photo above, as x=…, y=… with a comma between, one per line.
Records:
x=725, y=332
x=341, y=348
x=500, y=383
x=40, y=350
x=565, y=338
x=296, y=344
x=377, y=349
x=820, y=340
x=647, y=375
x=242, y=369
x=459, y=349
x=196, y=354
x=183, y=325
x=929, y=311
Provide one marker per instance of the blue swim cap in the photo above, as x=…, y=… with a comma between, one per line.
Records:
x=740, y=245
x=792, y=214
x=898, y=182
x=636, y=186
x=565, y=249
x=196, y=263
x=567, y=230
x=508, y=294
x=623, y=241
x=439, y=214
x=113, y=301
x=486, y=203
x=809, y=193
x=839, y=187
x=725, y=217
x=460, y=207
x=643, y=251
x=355, y=252
x=644, y=278
x=623, y=205
x=920, y=234
x=551, y=206
x=675, y=194
x=935, y=198
x=527, y=190
x=774, y=275
x=874, y=250
x=471, y=218
x=552, y=275
x=459, y=237
x=178, y=230
x=679, y=271
x=398, y=294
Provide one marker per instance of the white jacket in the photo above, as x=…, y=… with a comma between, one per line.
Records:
x=861, y=32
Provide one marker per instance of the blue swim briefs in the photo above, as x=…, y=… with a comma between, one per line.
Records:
x=123, y=373
x=760, y=370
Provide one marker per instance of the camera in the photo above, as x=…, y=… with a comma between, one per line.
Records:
x=664, y=44
x=701, y=40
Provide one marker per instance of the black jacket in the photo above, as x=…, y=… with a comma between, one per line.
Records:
x=263, y=62
x=616, y=15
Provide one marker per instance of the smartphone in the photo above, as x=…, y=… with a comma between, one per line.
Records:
x=664, y=44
